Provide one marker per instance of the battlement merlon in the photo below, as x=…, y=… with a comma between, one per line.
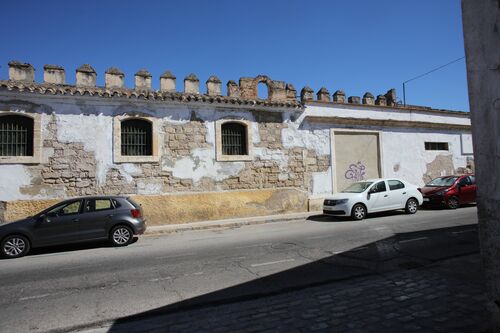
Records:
x=247, y=89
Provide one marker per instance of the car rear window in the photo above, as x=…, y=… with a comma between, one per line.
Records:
x=395, y=185
x=135, y=204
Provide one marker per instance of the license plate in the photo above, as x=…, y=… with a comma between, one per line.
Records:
x=426, y=199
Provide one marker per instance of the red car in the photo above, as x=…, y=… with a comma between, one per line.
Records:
x=450, y=191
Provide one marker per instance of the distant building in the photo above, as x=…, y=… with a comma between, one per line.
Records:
x=196, y=156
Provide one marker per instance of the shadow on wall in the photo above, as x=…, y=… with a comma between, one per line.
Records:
x=280, y=301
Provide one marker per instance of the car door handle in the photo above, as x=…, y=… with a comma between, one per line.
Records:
x=109, y=215
x=76, y=220
x=385, y=196
x=404, y=192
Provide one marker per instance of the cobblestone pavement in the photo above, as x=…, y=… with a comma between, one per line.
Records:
x=447, y=296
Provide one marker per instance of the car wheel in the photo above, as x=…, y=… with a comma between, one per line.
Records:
x=121, y=235
x=358, y=212
x=15, y=246
x=453, y=203
x=411, y=206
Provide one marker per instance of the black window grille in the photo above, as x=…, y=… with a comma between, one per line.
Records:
x=234, y=139
x=136, y=136
x=16, y=136
x=436, y=146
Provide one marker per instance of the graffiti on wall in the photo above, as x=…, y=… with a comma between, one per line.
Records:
x=355, y=172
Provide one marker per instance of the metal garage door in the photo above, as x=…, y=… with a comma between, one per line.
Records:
x=356, y=157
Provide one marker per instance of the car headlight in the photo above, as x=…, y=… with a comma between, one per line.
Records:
x=440, y=193
x=341, y=201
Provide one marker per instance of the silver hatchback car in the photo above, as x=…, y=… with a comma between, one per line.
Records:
x=114, y=218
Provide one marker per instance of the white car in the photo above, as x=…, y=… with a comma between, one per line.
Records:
x=374, y=195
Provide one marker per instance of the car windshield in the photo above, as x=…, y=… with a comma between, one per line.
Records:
x=357, y=187
x=442, y=181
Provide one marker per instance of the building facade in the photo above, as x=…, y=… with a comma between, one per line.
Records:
x=191, y=155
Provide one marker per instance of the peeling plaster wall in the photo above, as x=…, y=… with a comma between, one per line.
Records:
x=96, y=134
x=289, y=150
x=404, y=155
x=77, y=136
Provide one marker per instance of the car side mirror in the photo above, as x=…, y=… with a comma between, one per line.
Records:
x=368, y=196
x=43, y=218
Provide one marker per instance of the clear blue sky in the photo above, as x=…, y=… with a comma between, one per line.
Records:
x=356, y=46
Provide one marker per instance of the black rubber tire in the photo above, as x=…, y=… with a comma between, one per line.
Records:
x=121, y=235
x=453, y=203
x=411, y=206
x=18, y=241
x=358, y=212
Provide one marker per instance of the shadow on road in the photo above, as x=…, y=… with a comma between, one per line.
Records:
x=72, y=247
x=331, y=218
x=407, y=252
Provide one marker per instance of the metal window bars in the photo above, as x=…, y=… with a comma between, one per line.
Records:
x=234, y=139
x=136, y=138
x=16, y=136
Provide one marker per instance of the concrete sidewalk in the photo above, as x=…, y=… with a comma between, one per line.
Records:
x=228, y=223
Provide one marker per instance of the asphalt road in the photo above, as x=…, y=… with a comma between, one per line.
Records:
x=67, y=288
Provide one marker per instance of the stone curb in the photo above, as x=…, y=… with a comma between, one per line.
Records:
x=227, y=224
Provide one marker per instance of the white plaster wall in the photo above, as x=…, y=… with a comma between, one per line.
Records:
x=201, y=164
x=89, y=121
x=376, y=113
x=12, y=178
x=322, y=183
x=407, y=149
x=300, y=134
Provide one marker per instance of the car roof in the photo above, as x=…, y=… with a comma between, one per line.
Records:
x=380, y=179
x=96, y=197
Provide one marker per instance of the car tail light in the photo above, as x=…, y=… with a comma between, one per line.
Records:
x=136, y=213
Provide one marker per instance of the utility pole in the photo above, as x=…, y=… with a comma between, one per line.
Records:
x=481, y=22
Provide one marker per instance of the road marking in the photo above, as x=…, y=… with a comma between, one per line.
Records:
x=237, y=258
x=198, y=273
x=272, y=262
x=413, y=239
x=382, y=228
x=161, y=279
x=33, y=297
x=463, y=231
x=178, y=255
x=254, y=245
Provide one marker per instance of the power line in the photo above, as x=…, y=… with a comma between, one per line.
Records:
x=431, y=71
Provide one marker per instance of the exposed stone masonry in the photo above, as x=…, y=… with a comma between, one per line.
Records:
x=71, y=170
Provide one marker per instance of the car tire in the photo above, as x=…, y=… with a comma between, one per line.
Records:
x=411, y=206
x=453, y=203
x=358, y=212
x=15, y=246
x=121, y=235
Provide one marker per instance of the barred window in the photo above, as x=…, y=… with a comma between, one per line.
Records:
x=234, y=139
x=16, y=136
x=436, y=146
x=136, y=137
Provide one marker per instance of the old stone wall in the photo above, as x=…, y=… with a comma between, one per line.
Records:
x=72, y=164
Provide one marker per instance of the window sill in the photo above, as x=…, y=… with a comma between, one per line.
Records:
x=136, y=159
x=20, y=160
x=233, y=158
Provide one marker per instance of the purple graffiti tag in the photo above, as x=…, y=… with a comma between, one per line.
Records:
x=356, y=172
